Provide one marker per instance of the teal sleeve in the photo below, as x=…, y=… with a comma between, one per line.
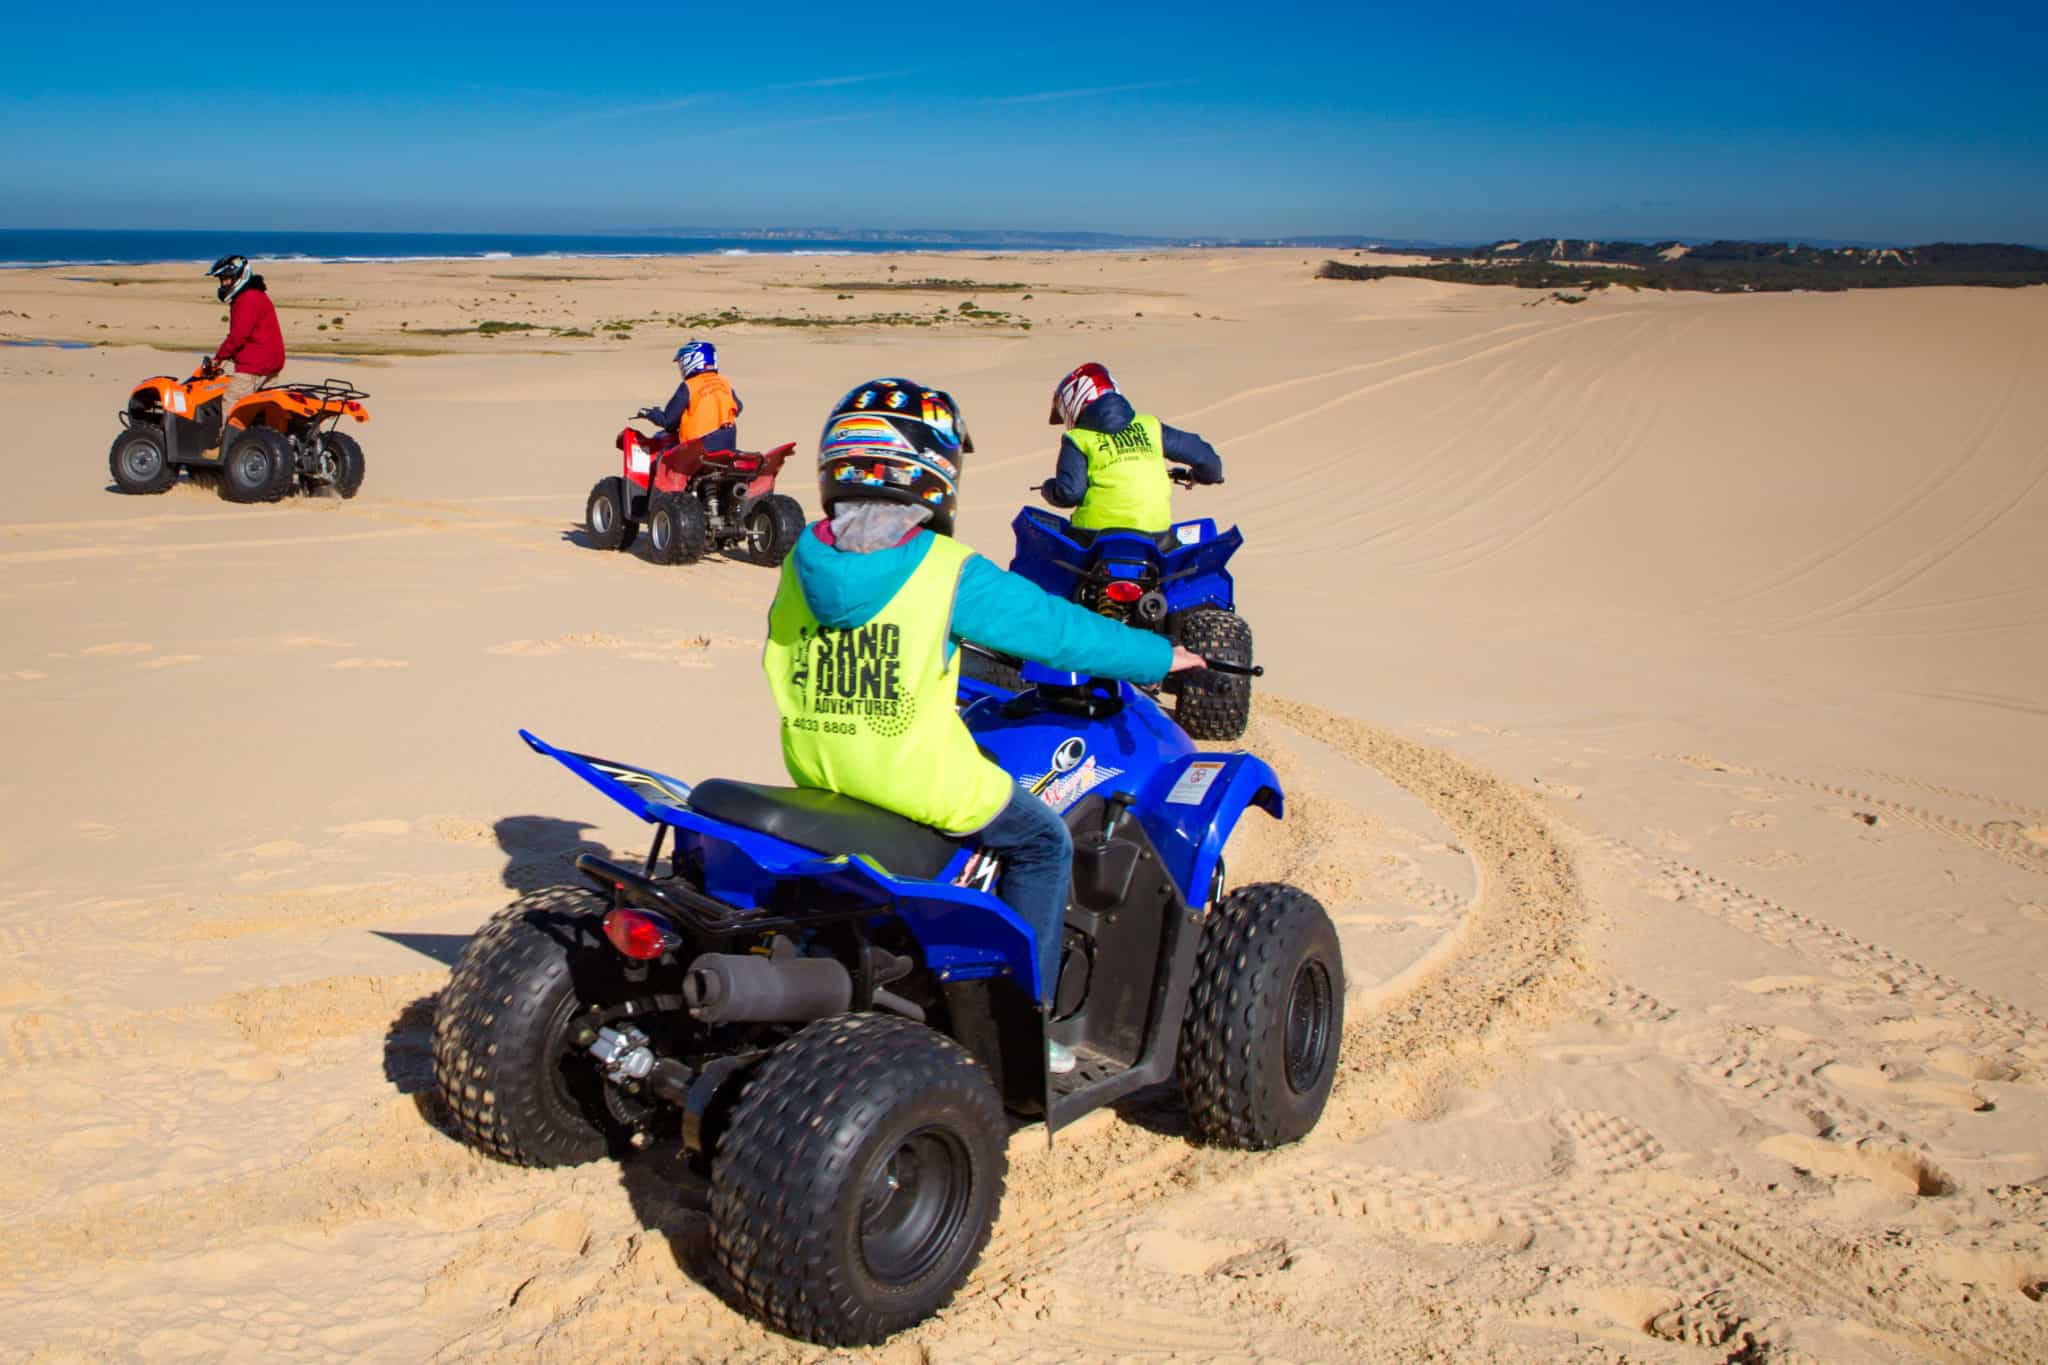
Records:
x=1012, y=615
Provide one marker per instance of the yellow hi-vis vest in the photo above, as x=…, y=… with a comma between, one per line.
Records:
x=869, y=711
x=1127, y=483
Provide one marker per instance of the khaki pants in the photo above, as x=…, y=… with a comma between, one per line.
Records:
x=241, y=386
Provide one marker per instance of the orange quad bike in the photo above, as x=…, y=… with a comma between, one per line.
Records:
x=280, y=438
x=694, y=501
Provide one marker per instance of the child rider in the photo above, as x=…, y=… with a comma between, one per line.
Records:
x=884, y=561
x=1112, y=468
x=704, y=405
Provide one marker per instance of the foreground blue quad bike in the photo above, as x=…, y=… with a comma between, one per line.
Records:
x=829, y=1008
x=1174, y=583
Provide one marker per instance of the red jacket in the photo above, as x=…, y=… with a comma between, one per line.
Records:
x=255, y=343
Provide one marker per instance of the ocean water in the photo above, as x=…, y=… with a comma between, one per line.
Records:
x=22, y=247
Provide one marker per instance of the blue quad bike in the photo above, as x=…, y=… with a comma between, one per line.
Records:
x=827, y=1006
x=1174, y=584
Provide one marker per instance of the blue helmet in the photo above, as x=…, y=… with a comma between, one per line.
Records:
x=696, y=357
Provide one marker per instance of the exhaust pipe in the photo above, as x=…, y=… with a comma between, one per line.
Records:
x=732, y=988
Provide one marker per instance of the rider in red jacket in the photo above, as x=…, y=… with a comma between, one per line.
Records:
x=254, y=342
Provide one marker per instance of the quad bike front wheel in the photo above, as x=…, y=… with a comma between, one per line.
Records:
x=857, y=1183
x=258, y=467
x=677, y=530
x=604, y=516
x=1258, y=1046
x=1215, y=706
x=773, y=527
x=138, y=462
x=513, y=1082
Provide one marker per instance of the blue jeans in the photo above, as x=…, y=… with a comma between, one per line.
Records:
x=1038, y=863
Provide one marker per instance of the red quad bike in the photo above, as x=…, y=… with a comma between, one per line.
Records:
x=694, y=501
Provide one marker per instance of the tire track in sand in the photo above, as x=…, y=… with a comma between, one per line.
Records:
x=2003, y=840
x=1982, y=1018
x=1509, y=965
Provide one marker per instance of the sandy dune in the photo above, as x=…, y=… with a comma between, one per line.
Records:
x=1658, y=682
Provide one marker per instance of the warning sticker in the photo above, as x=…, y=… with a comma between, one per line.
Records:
x=1194, y=784
x=1189, y=534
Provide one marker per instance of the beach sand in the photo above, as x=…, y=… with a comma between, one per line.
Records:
x=1658, y=683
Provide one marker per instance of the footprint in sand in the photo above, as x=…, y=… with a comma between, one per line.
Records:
x=23, y=675
x=117, y=647
x=1776, y=859
x=1895, y=1169
x=460, y=831
x=1752, y=819
x=93, y=829
x=276, y=848
x=169, y=661
x=1926, y=1092
x=357, y=828
x=354, y=662
x=310, y=642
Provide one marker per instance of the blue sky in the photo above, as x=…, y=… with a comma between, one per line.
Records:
x=1868, y=122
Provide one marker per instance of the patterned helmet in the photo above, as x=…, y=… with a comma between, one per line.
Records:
x=696, y=357
x=1081, y=387
x=233, y=273
x=897, y=441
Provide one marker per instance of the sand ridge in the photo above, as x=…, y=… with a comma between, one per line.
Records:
x=1656, y=684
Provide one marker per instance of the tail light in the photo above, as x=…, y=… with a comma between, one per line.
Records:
x=1123, y=591
x=747, y=464
x=639, y=934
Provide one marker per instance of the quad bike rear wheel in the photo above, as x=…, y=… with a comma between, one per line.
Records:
x=138, y=462
x=1214, y=705
x=258, y=466
x=604, y=516
x=1258, y=1047
x=859, y=1179
x=514, y=1084
x=773, y=527
x=677, y=530
x=347, y=456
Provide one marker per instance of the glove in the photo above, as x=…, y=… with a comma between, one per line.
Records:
x=1045, y=490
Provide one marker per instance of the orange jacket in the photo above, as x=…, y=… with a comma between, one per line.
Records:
x=712, y=406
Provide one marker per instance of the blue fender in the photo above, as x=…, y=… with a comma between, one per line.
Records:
x=1191, y=805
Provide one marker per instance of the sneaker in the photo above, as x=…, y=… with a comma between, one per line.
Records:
x=1059, y=1058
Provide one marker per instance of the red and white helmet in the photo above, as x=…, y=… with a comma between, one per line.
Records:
x=1082, y=386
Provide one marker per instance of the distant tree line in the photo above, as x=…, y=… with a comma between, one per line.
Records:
x=1716, y=267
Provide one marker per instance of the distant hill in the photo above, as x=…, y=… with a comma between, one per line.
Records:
x=1717, y=267
x=1018, y=238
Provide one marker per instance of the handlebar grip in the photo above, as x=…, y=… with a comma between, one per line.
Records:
x=1241, y=670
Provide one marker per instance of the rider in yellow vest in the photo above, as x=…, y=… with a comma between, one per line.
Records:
x=862, y=656
x=704, y=405
x=1112, y=463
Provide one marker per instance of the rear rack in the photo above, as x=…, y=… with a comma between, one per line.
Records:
x=327, y=391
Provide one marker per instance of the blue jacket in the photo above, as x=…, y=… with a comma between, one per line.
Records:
x=667, y=418
x=992, y=608
x=1111, y=414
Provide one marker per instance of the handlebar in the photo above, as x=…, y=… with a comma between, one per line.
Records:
x=1213, y=665
x=1241, y=670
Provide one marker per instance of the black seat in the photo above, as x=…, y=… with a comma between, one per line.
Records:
x=827, y=822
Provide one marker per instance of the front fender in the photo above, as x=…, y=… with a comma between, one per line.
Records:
x=153, y=395
x=1191, y=806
